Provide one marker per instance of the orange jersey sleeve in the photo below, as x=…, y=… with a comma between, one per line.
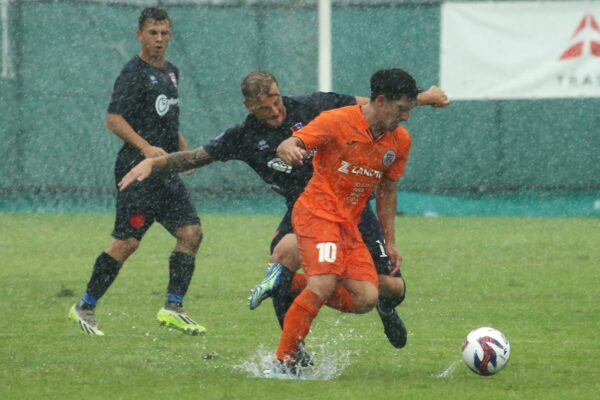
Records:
x=348, y=162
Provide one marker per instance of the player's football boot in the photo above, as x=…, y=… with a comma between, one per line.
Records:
x=303, y=359
x=178, y=319
x=284, y=370
x=394, y=328
x=86, y=319
x=265, y=288
x=295, y=367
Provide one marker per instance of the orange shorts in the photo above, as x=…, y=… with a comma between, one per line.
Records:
x=328, y=247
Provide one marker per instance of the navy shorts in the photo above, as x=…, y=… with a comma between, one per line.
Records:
x=369, y=228
x=164, y=199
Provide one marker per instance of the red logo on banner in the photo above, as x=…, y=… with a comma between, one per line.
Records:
x=587, y=27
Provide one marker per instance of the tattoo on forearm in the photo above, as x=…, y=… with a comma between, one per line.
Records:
x=185, y=160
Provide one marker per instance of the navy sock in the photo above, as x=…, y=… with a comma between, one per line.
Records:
x=181, y=270
x=285, y=282
x=104, y=273
x=282, y=297
x=174, y=301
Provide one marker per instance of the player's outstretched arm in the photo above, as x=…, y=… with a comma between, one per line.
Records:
x=139, y=172
x=434, y=97
x=174, y=162
x=291, y=151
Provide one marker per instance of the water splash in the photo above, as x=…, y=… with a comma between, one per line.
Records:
x=449, y=371
x=329, y=363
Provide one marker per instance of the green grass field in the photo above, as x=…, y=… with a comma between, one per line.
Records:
x=535, y=279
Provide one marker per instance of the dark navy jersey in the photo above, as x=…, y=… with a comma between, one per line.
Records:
x=255, y=143
x=147, y=98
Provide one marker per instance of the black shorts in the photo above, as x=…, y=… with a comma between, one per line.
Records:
x=165, y=200
x=369, y=228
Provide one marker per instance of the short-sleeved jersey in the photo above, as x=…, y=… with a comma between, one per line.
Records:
x=147, y=98
x=255, y=143
x=349, y=163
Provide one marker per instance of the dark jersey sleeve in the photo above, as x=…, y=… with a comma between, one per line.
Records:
x=322, y=101
x=227, y=145
x=123, y=94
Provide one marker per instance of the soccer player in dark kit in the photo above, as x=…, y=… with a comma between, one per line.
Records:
x=144, y=113
x=273, y=118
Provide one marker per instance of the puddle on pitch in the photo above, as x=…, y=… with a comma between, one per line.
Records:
x=328, y=363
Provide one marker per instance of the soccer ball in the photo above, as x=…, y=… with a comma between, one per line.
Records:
x=485, y=351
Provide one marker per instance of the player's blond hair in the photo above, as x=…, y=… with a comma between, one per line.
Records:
x=257, y=84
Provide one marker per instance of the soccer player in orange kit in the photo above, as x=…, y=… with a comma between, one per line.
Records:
x=358, y=149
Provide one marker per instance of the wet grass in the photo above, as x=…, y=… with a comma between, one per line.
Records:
x=536, y=279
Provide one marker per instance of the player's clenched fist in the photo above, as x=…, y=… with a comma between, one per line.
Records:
x=292, y=151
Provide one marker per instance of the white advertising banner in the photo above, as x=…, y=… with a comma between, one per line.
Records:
x=520, y=50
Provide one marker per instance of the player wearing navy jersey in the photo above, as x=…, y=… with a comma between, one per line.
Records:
x=272, y=118
x=144, y=113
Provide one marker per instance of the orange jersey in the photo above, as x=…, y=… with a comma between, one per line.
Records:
x=349, y=163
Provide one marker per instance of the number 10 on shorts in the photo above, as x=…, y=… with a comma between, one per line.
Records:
x=327, y=251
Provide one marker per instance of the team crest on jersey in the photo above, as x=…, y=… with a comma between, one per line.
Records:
x=153, y=80
x=173, y=79
x=297, y=126
x=388, y=158
x=262, y=144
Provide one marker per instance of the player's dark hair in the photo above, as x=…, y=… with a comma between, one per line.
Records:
x=393, y=83
x=257, y=84
x=157, y=14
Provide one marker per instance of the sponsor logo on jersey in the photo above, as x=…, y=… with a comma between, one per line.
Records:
x=173, y=78
x=347, y=168
x=153, y=80
x=297, y=126
x=388, y=158
x=262, y=144
x=163, y=103
x=278, y=165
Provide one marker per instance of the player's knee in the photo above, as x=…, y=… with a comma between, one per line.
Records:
x=190, y=237
x=392, y=287
x=196, y=236
x=120, y=250
x=322, y=286
x=288, y=258
x=366, y=300
x=131, y=245
x=286, y=253
x=371, y=299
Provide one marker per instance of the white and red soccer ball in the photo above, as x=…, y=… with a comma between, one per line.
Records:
x=485, y=351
